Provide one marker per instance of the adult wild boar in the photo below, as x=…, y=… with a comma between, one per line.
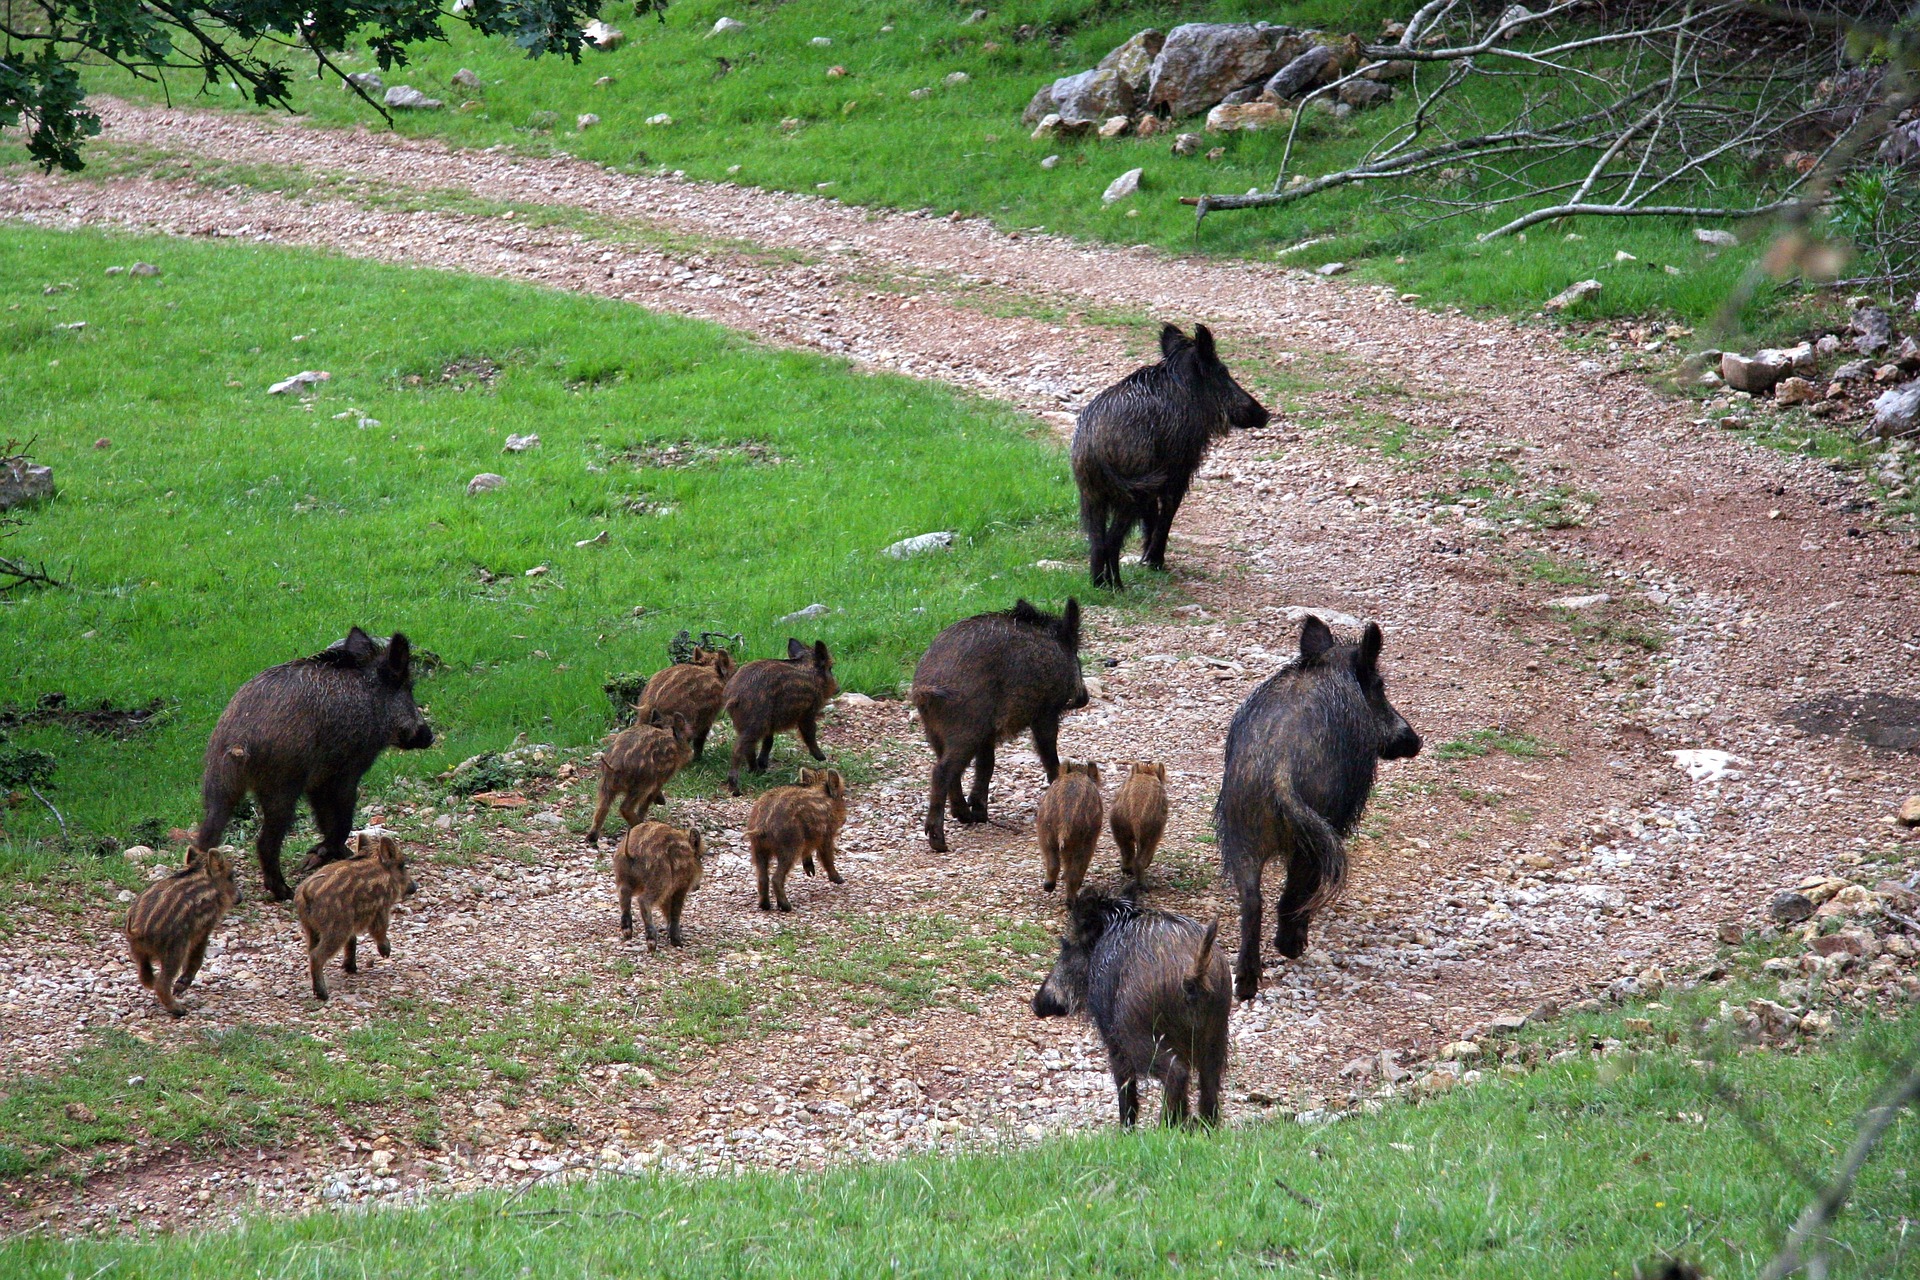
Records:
x=1136, y=446
x=1301, y=756
x=311, y=727
x=984, y=680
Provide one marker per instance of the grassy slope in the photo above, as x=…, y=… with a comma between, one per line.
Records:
x=1579, y=1170
x=224, y=530
x=963, y=147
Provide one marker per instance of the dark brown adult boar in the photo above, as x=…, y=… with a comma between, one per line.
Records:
x=1068, y=824
x=659, y=865
x=1139, y=817
x=637, y=767
x=983, y=681
x=776, y=694
x=311, y=727
x=1138, y=443
x=696, y=690
x=1156, y=988
x=792, y=824
x=168, y=927
x=345, y=899
x=1301, y=757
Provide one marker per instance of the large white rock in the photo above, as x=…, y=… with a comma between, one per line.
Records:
x=404, y=97
x=1897, y=412
x=1122, y=187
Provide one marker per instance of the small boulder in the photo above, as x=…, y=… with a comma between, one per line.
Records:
x=955, y=79
x=1873, y=330
x=1149, y=126
x=1572, y=294
x=485, y=482
x=404, y=97
x=22, y=482
x=1789, y=907
x=1114, y=126
x=369, y=80
x=1909, y=815
x=660, y=121
x=1202, y=62
x=1897, y=412
x=907, y=548
x=821, y=42
x=1313, y=68
x=1188, y=144
x=1330, y=268
x=1828, y=346
x=812, y=613
x=143, y=269
x=520, y=444
x=1133, y=61
x=305, y=378
x=1791, y=391
x=601, y=36
x=725, y=25
x=1248, y=117
x=586, y=120
x=1121, y=187
x=1051, y=162
x=1716, y=237
x=1091, y=97
x=466, y=79
x=1854, y=371
x=1755, y=373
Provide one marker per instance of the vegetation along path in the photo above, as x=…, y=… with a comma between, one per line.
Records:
x=1576, y=580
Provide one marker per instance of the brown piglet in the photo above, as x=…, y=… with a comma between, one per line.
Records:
x=791, y=824
x=660, y=865
x=773, y=695
x=638, y=765
x=1139, y=817
x=696, y=689
x=167, y=929
x=1069, y=825
x=343, y=900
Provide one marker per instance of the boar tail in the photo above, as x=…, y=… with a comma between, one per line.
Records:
x=1196, y=983
x=1316, y=858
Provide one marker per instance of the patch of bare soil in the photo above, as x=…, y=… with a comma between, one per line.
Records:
x=1575, y=580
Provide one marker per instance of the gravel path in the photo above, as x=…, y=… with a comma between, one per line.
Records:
x=1740, y=583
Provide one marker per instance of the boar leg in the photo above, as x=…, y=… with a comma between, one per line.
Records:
x=1159, y=523
x=1049, y=860
x=633, y=806
x=1046, y=740
x=944, y=771
x=675, y=905
x=379, y=932
x=742, y=758
x=604, y=803
x=762, y=873
x=163, y=988
x=766, y=754
x=826, y=860
x=276, y=815
x=982, y=780
x=626, y=912
x=333, y=804
x=1127, y=1086
x=646, y=921
x=196, y=956
x=1074, y=864
x=350, y=963
x=1173, y=1094
x=781, y=871
x=1209, y=1068
x=1246, y=970
x=146, y=969
x=1123, y=840
x=317, y=958
x=1291, y=918
x=808, y=728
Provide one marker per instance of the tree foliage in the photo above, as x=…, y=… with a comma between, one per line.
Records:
x=255, y=44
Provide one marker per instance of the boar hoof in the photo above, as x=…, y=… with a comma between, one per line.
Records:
x=834, y=877
x=1047, y=887
x=936, y=839
x=178, y=1013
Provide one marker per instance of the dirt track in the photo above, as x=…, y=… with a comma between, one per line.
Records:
x=1741, y=582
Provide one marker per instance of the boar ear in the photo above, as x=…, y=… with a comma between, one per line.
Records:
x=723, y=663
x=195, y=856
x=399, y=661
x=699, y=843
x=360, y=646
x=795, y=649
x=1203, y=343
x=1370, y=647
x=1160, y=771
x=1316, y=638
x=1070, y=625
x=1093, y=771
x=217, y=863
x=821, y=658
x=1171, y=340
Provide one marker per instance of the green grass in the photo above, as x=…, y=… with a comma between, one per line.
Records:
x=1481, y=742
x=1582, y=1168
x=221, y=530
x=776, y=119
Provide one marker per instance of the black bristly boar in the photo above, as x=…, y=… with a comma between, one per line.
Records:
x=1156, y=988
x=1301, y=756
x=1140, y=817
x=637, y=767
x=1137, y=445
x=310, y=727
x=1068, y=825
x=660, y=865
x=696, y=689
x=775, y=694
x=345, y=899
x=984, y=680
x=168, y=927
x=791, y=824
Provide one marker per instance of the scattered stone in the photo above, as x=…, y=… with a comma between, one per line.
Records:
x=836, y=71
x=1051, y=162
x=1202, y=62
x=1789, y=907
x=1330, y=268
x=305, y=378
x=1854, y=371
x=484, y=482
x=466, y=79
x=1507, y=1023
x=1792, y=391
x=1362, y=95
x=1216, y=153
x=1115, y=126
x=520, y=444
x=725, y=25
x=821, y=42
x=1873, y=328
x=978, y=15
x=1716, y=237
x=599, y=539
x=1579, y=602
x=1707, y=765
x=1052, y=126
x=586, y=120
x=1856, y=943
x=1732, y=933
x=404, y=97
x=957, y=78
x=601, y=36
x=367, y=80
x=1459, y=1050
x=1121, y=187
x=1816, y=1023
x=1828, y=346
x=542, y=120
x=811, y=613
x=22, y=482
x=1187, y=144
x=1909, y=815
x=1755, y=373
x=1897, y=412
x=1572, y=294
x=661, y=120
x=909, y=547
x=1248, y=117
x=1149, y=126
x=143, y=269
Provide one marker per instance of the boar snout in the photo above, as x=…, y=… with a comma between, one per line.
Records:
x=416, y=737
x=1404, y=745
x=1048, y=1005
